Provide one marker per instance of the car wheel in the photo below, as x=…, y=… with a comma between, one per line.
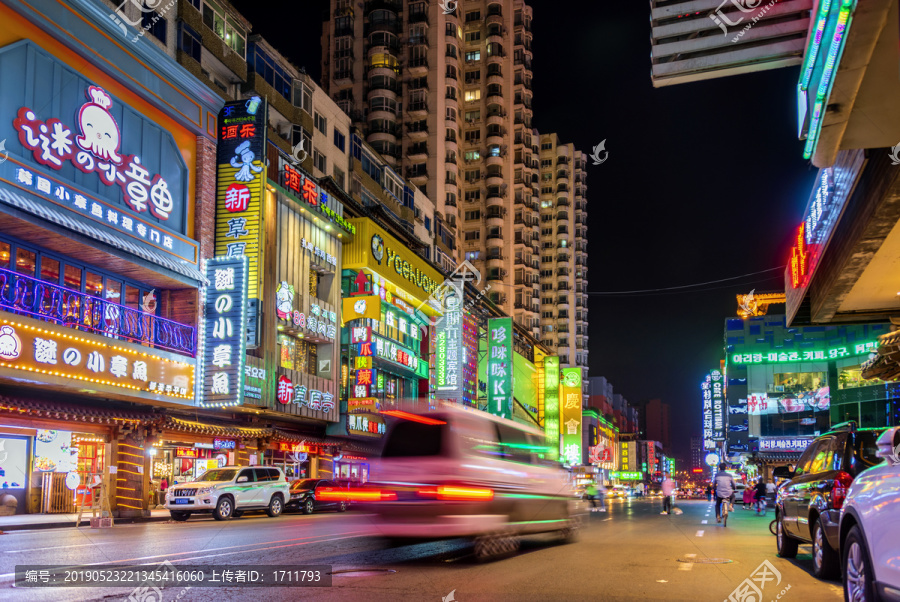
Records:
x=180, y=516
x=276, y=505
x=342, y=507
x=857, y=569
x=224, y=508
x=825, y=558
x=787, y=545
x=308, y=506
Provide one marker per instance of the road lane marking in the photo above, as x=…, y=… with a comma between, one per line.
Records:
x=685, y=566
x=704, y=522
x=699, y=533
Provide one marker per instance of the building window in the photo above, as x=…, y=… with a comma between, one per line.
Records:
x=473, y=136
x=225, y=27
x=473, y=235
x=473, y=36
x=427, y=221
x=321, y=123
x=470, y=216
x=319, y=161
x=473, y=95
x=153, y=22
x=338, y=174
x=268, y=68
x=473, y=195
x=190, y=42
x=474, y=55
x=339, y=139
x=475, y=15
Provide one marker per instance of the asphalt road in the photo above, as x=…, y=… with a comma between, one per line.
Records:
x=629, y=553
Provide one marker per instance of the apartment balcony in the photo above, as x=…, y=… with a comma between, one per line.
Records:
x=495, y=59
x=494, y=261
x=496, y=119
x=494, y=178
x=382, y=25
x=20, y=294
x=494, y=99
x=418, y=67
x=417, y=152
x=419, y=177
x=494, y=161
x=419, y=17
x=417, y=110
x=494, y=138
x=494, y=20
x=343, y=78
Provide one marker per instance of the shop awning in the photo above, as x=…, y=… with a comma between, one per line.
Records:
x=215, y=430
x=34, y=408
x=119, y=242
x=886, y=365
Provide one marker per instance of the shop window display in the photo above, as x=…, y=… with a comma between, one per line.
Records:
x=296, y=354
x=851, y=378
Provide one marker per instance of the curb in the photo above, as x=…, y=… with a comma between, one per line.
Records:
x=84, y=523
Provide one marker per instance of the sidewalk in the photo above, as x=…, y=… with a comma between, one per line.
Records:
x=20, y=522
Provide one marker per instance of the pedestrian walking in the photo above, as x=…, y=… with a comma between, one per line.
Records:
x=761, y=493
x=591, y=493
x=601, y=497
x=709, y=492
x=668, y=488
x=748, y=498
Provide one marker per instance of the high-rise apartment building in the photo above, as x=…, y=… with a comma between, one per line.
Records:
x=563, y=238
x=447, y=99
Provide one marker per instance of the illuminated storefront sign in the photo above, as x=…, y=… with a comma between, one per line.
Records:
x=551, y=400
x=91, y=157
x=388, y=268
x=626, y=476
x=319, y=322
x=355, y=308
x=799, y=264
x=223, y=443
x=500, y=366
x=814, y=400
x=571, y=400
x=627, y=455
x=706, y=392
x=366, y=425
x=286, y=392
x=316, y=251
x=449, y=351
x=711, y=460
x=717, y=387
x=258, y=376
x=774, y=357
x=391, y=351
x=308, y=192
x=819, y=214
x=223, y=350
x=31, y=346
x=241, y=184
x=790, y=444
x=186, y=452
x=651, y=457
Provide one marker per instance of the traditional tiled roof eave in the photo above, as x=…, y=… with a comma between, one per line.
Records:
x=34, y=408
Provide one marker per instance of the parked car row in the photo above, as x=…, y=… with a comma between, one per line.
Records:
x=230, y=491
x=842, y=498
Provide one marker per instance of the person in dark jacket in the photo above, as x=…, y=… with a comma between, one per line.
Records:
x=761, y=497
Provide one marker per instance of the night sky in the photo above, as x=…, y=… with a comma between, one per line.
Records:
x=704, y=181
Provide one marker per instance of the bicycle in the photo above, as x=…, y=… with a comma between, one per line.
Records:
x=724, y=511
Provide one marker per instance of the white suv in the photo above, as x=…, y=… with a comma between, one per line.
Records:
x=870, y=527
x=230, y=491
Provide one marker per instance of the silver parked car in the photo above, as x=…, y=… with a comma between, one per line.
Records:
x=229, y=492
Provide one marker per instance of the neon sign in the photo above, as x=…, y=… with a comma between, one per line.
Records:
x=799, y=259
x=773, y=357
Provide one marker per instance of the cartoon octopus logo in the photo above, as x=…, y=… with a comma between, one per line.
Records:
x=10, y=344
x=99, y=130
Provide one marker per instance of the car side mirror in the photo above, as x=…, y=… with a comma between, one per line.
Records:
x=783, y=472
x=888, y=444
x=242, y=479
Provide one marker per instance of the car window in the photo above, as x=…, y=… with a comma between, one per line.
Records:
x=823, y=458
x=305, y=484
x=262, y=475
x=247, y=472
x=415, y=439
x=804, y=461
x=274, y=474
x=863, y=451
x=514, y=444
x=217, y=475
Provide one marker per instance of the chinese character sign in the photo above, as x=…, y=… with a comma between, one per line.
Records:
x=500, y=366
x=570, y=401
x=31, y=346
x=241, y=184
x=222, y=334
x=449, y=351
x=707, y=412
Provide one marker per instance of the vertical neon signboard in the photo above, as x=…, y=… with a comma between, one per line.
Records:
x=551, y=402
x=500, y=367
x=223, y=344
x=241, y=184
x=449, y=356
x=717, y=383
x=706, y=392
x=570, y=399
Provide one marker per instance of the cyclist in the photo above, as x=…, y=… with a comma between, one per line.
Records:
x=723, y=483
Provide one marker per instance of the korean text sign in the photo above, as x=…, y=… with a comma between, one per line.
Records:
x=241, y=184
x=500, y=366
x=222, y=333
